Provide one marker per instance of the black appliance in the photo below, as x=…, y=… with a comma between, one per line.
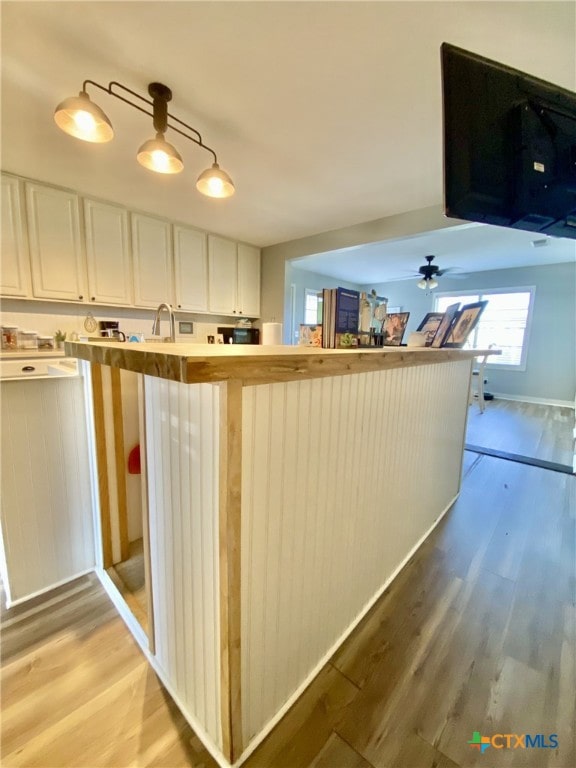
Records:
x=509, y=146
x=240, y=335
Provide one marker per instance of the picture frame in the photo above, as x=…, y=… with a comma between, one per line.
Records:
x=445, y=325
x=464, y=323
x=393, y=328
x=429, y=326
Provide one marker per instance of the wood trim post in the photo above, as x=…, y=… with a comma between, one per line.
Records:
x=230, y=479
x=120, y=462
x=101, y=463
x=145, y=515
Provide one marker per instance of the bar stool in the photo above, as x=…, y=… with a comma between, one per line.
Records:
x=477, y=383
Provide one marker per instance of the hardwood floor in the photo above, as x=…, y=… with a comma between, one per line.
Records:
x=538, y=431
x=477, y=633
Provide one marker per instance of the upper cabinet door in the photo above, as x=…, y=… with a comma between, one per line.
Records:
x=58, y=268
x=151, y=248
x=14, y=264
x=190, y=269
x=222, y=275
x=248, y=280
x=108, y=253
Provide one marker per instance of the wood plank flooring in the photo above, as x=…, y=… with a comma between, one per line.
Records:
x=538, y=431
x=477, y=633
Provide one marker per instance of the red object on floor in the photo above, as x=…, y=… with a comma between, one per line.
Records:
x=134, y=461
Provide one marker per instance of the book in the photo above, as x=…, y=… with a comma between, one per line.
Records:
x=340, y=318
x=310, y=335
x=347, y=310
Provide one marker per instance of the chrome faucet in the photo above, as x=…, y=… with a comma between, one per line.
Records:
x=156, y=324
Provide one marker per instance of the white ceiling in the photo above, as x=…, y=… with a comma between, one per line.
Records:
x=463, y=249
x=325, y=114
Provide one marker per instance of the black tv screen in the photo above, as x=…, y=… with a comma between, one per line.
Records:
x=509, y=146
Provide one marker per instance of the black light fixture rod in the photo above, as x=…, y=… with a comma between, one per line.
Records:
x=109, y=90
x=191, y=138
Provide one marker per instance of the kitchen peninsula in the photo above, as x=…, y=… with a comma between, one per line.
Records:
x=284, y=488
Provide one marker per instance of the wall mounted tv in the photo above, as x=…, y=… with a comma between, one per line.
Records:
x=509, y=146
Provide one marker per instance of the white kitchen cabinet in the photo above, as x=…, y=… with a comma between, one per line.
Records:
x=234, y=277
x=152, y=261
x=248, y=300
x=107, y=253
x=15, y=264
x=57, y=256
x=222, y=275
x=190, y=269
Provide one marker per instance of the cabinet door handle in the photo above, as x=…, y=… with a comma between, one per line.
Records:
x=80, y=297
x=93, y=298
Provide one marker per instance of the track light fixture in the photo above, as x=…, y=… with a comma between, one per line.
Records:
x=82, y=118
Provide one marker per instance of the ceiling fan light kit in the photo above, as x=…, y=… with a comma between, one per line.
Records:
x=429, y=272
x=80, y=117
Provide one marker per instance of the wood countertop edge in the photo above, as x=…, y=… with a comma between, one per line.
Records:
x=193, y=364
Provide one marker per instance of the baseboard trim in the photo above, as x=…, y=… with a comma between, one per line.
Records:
x=39, y=592
x=535, y=400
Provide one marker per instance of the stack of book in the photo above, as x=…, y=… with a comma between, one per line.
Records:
x=340, y=317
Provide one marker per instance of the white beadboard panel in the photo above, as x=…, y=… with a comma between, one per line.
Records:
x=47, y=523
x=341, y=478
x=182, y=443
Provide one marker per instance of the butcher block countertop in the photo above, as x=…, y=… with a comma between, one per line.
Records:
x=252, y=364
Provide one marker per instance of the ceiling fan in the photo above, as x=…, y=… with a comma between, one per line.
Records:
x=430, y=272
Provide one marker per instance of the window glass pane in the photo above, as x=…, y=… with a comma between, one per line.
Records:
x=503, y=323
x=443, y=302
x=311, y=307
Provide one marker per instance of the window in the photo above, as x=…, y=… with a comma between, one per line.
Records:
x=312, y=306
x=504, y=323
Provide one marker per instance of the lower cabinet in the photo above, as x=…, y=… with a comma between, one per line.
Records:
x=47, y=524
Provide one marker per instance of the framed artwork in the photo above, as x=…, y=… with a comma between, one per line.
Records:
x=464, y=323
x=394, y=327
x=429, y=326
x=445, y=324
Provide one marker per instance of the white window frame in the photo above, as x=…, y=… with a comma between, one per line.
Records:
x=317, y=294
x=485, y=293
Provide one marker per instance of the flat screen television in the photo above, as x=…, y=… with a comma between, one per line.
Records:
x=509, y=146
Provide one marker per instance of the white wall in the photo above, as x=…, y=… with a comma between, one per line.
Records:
x=297, y=280
x=276, y=258
x=47, y=317
x=550, y=373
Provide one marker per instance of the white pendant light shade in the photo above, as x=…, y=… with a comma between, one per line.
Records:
x=432, y=283
x=81, y=118
x=422, y=284
x=215, y=182
x=160, y=156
